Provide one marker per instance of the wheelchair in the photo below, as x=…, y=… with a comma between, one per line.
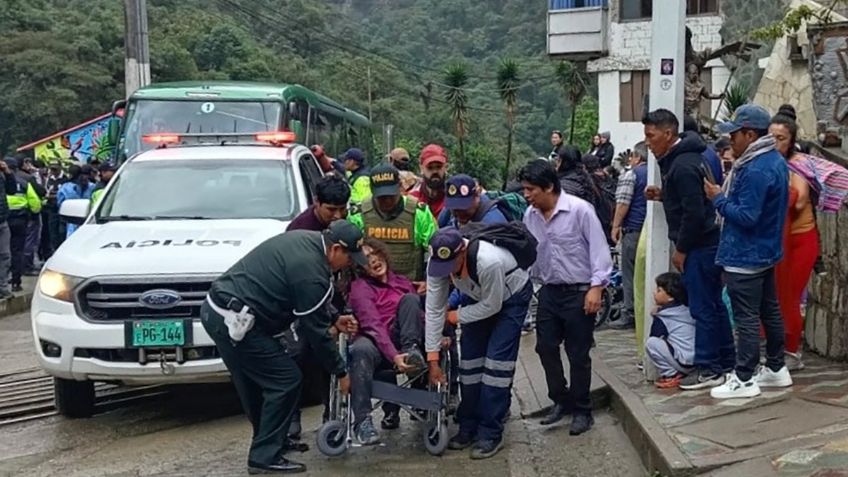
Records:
x=428, y=406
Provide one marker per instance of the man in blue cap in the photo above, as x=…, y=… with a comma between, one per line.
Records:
x=752, y=205
x=491, y=331
x=465, y=203
x=359, y=176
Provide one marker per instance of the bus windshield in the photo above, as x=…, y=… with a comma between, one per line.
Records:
x=158, y=116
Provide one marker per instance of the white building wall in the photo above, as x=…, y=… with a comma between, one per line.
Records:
x=623, y=135
x=630, y=50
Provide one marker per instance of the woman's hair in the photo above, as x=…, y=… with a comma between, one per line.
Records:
x=789, y=123
x=787, y=110
x=569, y=158
x=673, y=285
x=379, y=248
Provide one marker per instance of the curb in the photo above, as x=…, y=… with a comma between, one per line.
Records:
x=657, y=449
x=18, y=303
x=601, y=400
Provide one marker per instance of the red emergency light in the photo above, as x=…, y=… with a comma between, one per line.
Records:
x=277, y=137
x=161, y=138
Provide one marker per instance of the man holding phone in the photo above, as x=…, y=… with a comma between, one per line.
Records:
x=693, y=230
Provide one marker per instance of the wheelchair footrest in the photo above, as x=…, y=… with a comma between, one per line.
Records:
x=416, y=398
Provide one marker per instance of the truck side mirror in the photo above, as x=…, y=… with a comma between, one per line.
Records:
x=75, y=211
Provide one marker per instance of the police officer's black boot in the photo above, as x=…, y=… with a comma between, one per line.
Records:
x=283, y=466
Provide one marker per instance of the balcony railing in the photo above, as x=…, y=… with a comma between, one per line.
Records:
x=571, y=4
x=577, y=29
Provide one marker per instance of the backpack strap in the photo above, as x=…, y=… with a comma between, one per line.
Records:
x=471, y=260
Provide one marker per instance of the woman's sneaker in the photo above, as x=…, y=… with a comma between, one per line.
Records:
x=767, y=378
x=735, y=388
x=793, y=361
x=701, y=380
x=366, y=433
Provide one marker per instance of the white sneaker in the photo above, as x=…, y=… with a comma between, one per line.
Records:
x=793, y=361
x=773, y=379
x=734, y=388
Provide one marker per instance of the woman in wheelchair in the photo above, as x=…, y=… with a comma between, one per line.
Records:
x=391, y=330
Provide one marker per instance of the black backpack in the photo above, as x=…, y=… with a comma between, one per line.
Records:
x=513, y=236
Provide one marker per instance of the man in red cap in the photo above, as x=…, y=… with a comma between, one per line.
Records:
x=434, y=170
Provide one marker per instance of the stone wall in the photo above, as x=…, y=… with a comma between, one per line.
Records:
x=829, y=63
x=630, y=42
x=826, y=329
x=787, y=81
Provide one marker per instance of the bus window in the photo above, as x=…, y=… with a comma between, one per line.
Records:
x=298, y=117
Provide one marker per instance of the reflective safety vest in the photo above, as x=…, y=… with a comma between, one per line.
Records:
x=97, y=194
x=23, y=199
x=399, y=236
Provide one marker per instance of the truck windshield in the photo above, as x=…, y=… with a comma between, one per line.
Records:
x=201, y=189
x=202, y=116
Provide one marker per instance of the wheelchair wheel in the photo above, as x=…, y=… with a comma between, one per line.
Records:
x=332, y=438
x=436, y=438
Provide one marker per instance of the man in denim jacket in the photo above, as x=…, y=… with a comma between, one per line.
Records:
x=752, y=207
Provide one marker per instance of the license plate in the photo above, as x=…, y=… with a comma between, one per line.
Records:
x=158, y=333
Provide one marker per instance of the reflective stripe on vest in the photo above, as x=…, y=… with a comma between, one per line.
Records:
x=399, y=237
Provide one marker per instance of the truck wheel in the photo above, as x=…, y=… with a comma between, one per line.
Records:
x=73, y=398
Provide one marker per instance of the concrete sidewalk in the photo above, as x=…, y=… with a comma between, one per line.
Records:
x=21, y=301
x=530, y=389
x=799, y=431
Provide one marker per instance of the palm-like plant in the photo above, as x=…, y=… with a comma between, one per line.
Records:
x=456, y=79
x=570, y=78
x=737, y=95
x=508, y=82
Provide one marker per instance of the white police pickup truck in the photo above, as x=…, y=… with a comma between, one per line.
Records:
x=119, y=301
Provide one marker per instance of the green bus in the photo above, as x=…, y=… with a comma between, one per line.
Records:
x=200, y=107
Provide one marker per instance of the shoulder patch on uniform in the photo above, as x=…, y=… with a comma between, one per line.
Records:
x=355, y=209
x=421, y=205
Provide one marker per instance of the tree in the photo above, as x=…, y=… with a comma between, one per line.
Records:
x=508, y=89
x=795, y=18
x=571, y=81
x=456, y=79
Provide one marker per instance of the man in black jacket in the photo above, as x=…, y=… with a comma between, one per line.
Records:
x=8, y=183
x=285, y=278
x=693, y=230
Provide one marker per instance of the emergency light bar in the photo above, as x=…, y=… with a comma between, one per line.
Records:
x=274, y=138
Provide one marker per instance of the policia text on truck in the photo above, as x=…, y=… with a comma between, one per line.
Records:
x=286, y=278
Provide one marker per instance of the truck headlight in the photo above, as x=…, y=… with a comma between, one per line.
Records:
x=58, y=286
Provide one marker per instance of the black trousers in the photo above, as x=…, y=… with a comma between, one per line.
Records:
x=366, y=359
x=45, y=247
x=55, y=228
x=560, y=319
x=18, y=229
x=267, y=381
x=754, y=302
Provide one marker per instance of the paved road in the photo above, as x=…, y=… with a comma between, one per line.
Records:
x=198, y=430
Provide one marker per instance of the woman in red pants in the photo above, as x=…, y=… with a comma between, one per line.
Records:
x=801, y=243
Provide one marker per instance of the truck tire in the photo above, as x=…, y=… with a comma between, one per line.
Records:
x=73, y=399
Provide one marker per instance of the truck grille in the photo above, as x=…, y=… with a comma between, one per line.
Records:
x=116, y=299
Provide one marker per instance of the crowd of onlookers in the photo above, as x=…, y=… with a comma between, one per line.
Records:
x=741, y=216
x=31, y=228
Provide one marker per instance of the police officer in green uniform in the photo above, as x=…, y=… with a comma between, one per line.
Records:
x=286, y=278
x=23, y=203
x=404, y=224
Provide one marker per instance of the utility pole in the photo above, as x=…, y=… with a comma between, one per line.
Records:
x=668, y=49
x=137, y=51
x=369, y=94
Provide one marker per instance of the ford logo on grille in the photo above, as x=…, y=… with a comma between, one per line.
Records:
x=160, y=299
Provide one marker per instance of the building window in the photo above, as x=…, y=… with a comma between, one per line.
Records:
x=641, y=9
x=569, y=4
x=701, y=7
x=636, y=9
x=634, y=88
